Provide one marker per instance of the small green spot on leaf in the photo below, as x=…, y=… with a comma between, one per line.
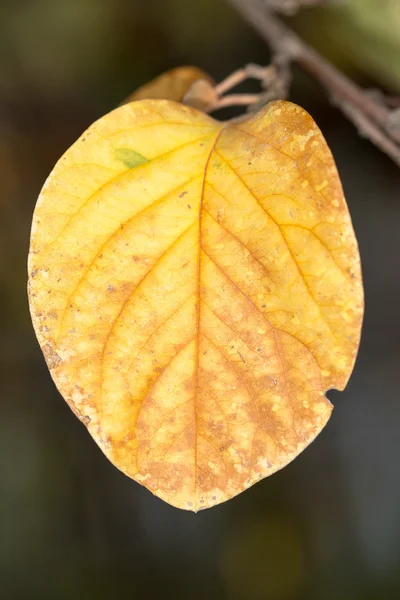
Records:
x=129, y=157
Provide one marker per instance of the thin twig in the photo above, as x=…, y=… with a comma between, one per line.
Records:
x=275, y=81
x=373, y=118
x=367, y=129
x=235, y=100
x=250, y=71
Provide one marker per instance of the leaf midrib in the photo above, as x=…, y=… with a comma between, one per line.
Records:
x=198, y=310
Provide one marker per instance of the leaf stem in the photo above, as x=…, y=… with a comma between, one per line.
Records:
x=235, y=100
x=250, y=71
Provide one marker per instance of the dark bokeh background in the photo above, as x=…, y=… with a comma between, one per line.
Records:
x=72, y=526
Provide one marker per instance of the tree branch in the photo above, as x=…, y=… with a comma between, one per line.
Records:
x=373, y=118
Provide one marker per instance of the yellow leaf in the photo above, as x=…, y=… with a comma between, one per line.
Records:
x=171, y=85
x=195, y=287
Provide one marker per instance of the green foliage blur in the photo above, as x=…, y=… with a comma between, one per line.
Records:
x=361, y=35
x=327, y=527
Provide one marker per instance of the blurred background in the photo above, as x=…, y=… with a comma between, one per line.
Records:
x=327, y=527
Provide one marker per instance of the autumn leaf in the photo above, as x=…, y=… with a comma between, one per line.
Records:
x=195, y=287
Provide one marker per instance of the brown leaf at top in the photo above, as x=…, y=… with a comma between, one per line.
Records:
x=196, y=288
x=172, y=85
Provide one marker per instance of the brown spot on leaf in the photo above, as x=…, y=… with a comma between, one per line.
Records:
x=52, y=358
